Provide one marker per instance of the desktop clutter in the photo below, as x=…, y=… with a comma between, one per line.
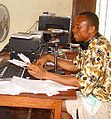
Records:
x=52, y=30
x=20, y=48
x=18, y=84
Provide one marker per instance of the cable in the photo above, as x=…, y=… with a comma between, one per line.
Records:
x=38, y=49
x=34, y=25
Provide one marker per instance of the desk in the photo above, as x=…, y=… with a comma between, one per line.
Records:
x=43, y=101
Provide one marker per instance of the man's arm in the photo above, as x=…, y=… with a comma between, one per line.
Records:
x=63, y=79
x=66, y=65
x=39, y=72
x=62, y=63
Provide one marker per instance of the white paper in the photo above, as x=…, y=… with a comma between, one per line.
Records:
x=18, y=62
x=41, y=86
x=6, y=87
x=24, y=58
x=22, y=63
x=19, y=85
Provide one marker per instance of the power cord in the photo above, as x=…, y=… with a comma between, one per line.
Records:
x=34, y=25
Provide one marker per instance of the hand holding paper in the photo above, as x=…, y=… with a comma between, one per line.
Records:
x=22, y=63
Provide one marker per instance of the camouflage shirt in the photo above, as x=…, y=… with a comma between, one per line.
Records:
x=95, y=65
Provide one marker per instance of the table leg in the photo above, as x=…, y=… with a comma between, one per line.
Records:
x=58, y=108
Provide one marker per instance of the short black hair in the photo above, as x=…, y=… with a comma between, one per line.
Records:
x=92, y=17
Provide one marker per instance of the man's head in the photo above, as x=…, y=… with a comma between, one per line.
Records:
x=85, y=26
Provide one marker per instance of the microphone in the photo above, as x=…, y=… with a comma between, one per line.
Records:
x=54, y=41
x=57, y=31
x=74, y=45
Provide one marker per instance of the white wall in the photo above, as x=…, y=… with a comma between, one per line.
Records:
x=24, y=13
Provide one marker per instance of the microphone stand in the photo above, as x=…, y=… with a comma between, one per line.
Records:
x=56, y=54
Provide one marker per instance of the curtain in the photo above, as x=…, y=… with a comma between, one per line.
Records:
x=103, y=10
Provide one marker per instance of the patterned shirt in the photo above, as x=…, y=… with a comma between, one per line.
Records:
x=95, y=65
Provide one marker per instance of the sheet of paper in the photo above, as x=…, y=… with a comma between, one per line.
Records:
x=18, y=62
x=24, y=58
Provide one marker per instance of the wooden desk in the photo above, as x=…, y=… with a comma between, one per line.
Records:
x=38, y=101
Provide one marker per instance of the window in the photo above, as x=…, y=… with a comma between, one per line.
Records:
x=103, y=10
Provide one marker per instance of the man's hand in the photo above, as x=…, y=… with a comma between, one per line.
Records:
x=37, y=71
x=44, y=59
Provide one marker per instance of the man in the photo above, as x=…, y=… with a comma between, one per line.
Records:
x=94, y=63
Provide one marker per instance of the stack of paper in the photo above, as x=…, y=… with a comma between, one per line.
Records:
x=19, y=85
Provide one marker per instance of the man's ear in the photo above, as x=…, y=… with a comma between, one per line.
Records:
x=92, y=29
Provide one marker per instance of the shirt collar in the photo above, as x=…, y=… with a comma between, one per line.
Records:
x=84, y=45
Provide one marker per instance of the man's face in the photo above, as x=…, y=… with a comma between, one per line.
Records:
x=81, y=29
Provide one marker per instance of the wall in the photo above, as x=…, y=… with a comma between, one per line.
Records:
x=24, y=13
x=79, y=6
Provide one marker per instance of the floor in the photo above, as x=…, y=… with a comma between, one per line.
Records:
x=21, y=113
